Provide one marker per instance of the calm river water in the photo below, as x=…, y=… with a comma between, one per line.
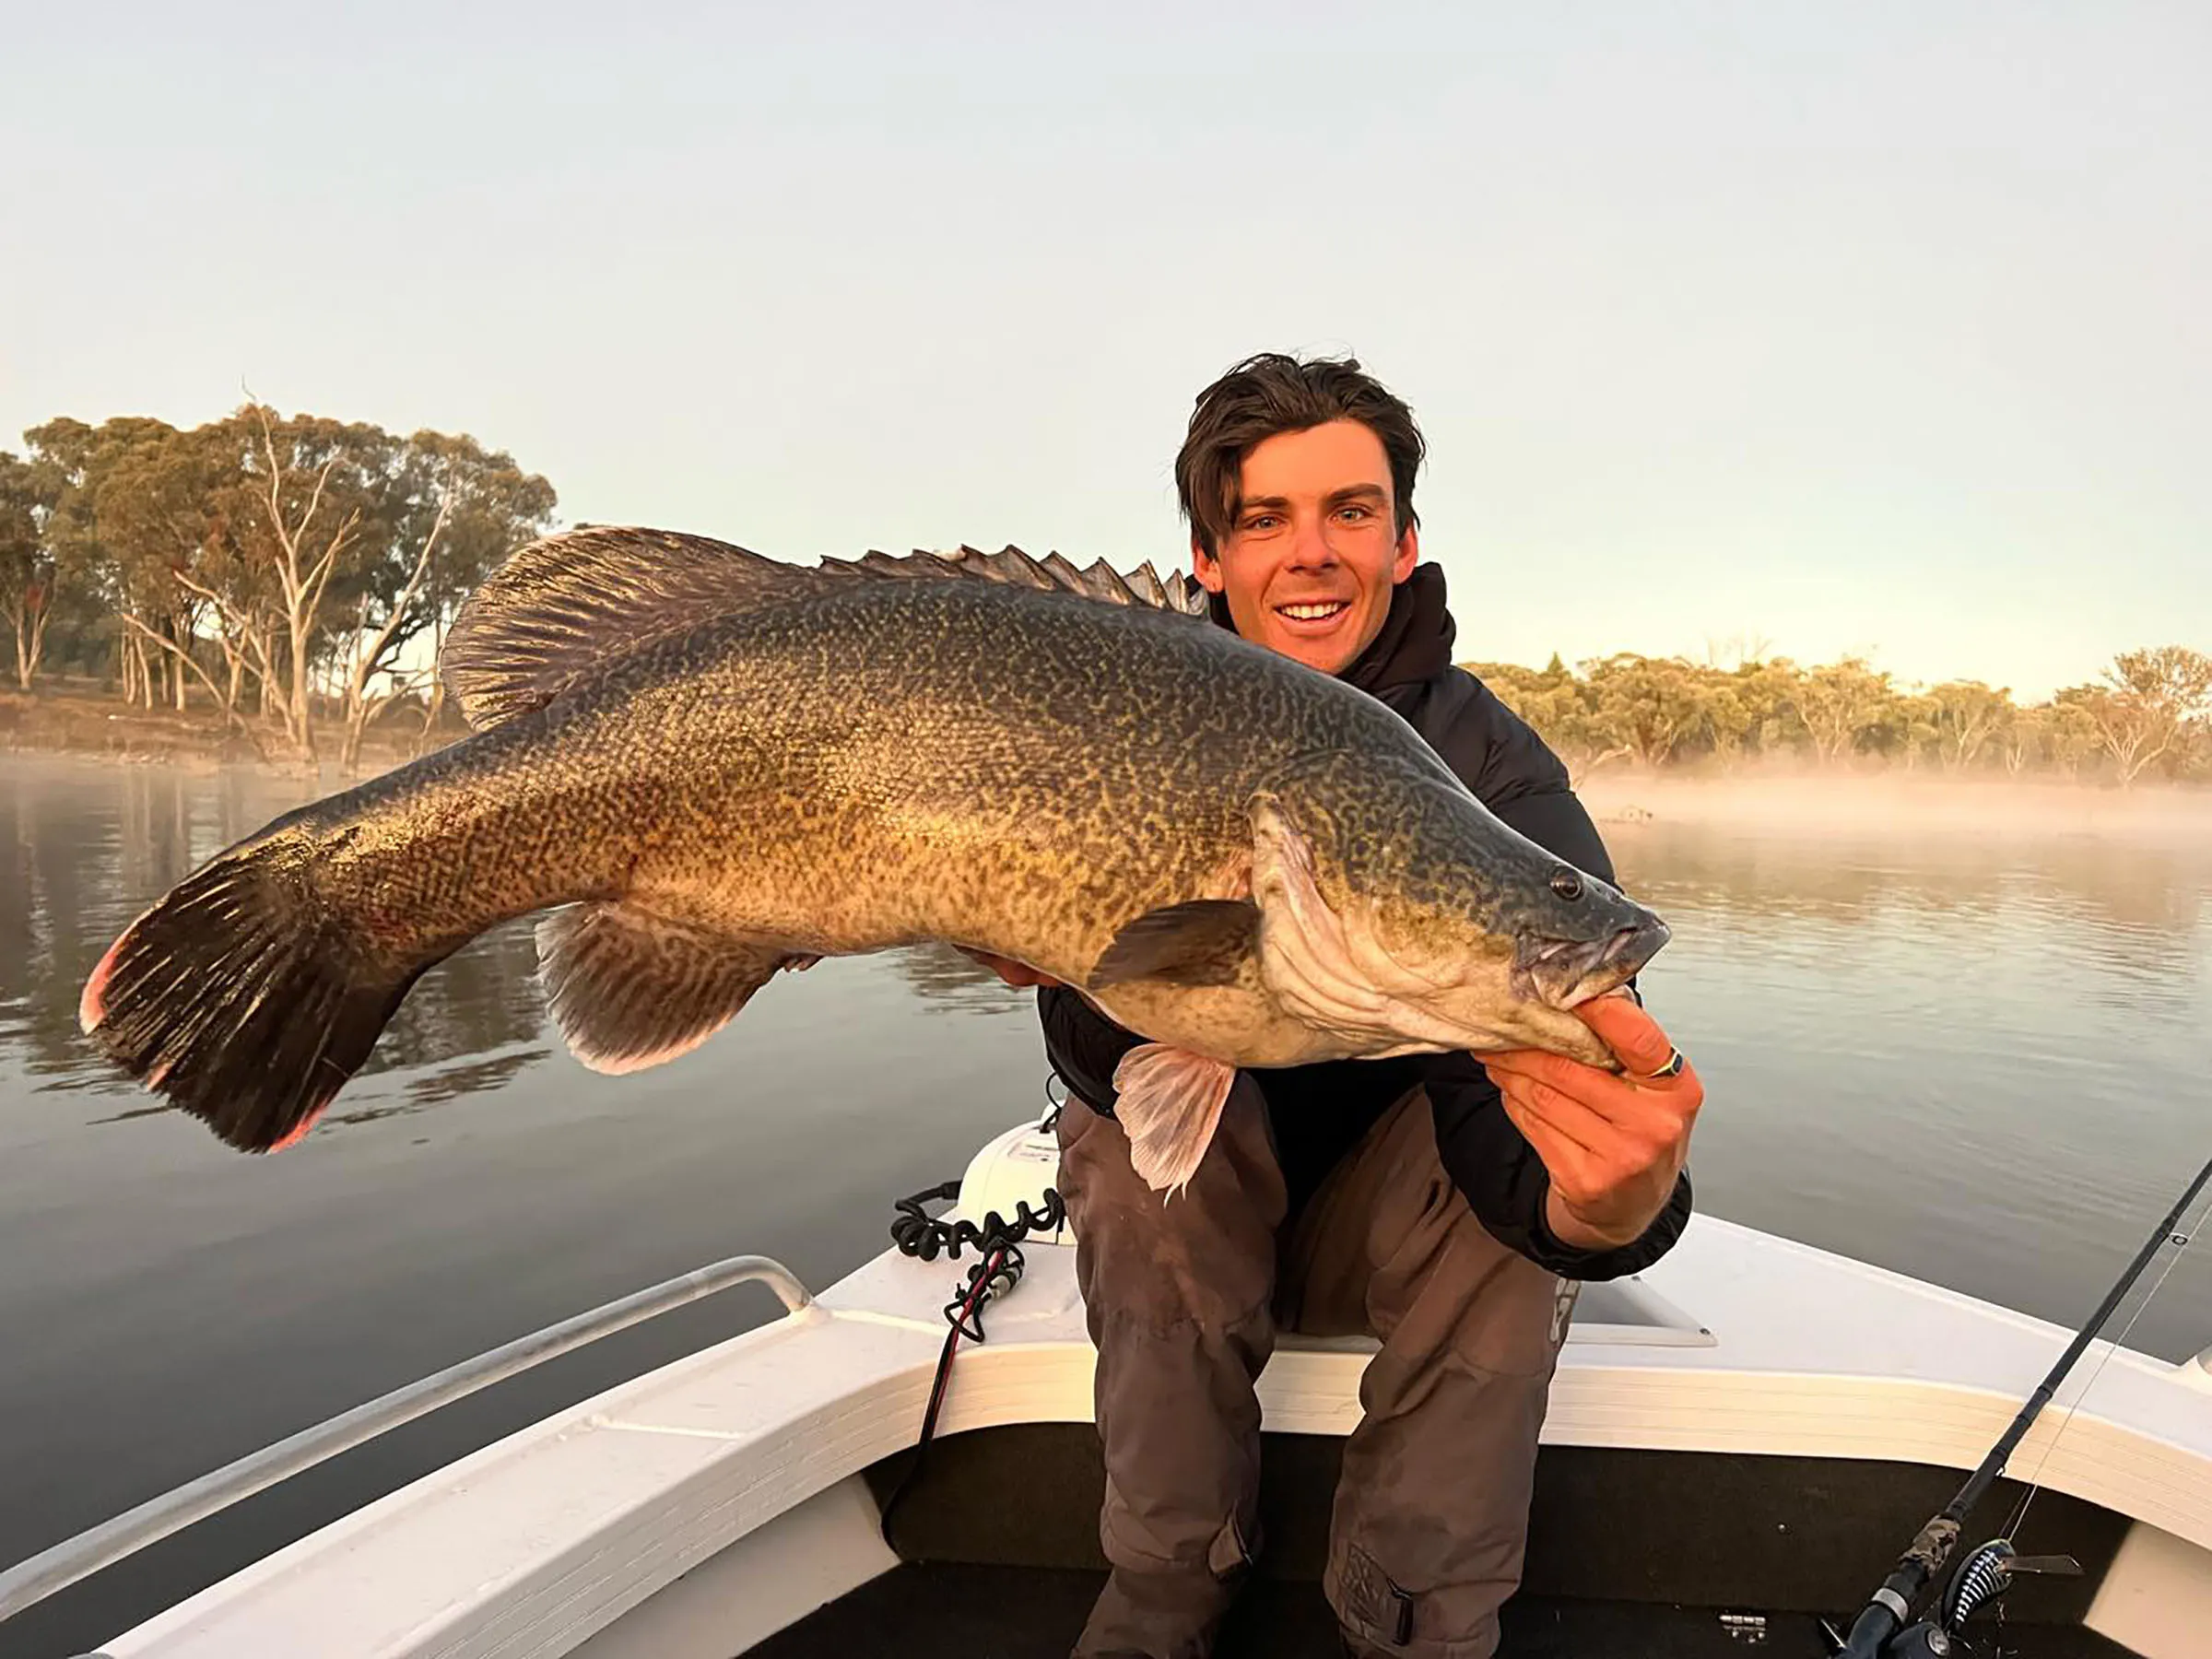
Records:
x=1969, y=1046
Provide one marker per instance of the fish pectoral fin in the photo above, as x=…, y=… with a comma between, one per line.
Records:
x=1199, y=942
x=630, y=989
x=1169, y=1103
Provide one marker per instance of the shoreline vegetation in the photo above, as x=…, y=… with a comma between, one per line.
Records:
x=86, y=721
x=274, y=589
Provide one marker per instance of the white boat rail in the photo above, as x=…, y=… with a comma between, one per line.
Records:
x=54, y=1569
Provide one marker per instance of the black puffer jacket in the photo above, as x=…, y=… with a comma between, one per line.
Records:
x=1319, y=1112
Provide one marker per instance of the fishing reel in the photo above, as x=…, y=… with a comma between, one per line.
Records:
x=1979, y=1580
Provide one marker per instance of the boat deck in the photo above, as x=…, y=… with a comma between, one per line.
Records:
x=968, y=1611
x=1753, y=1426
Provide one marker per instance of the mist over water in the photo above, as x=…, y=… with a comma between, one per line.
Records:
x=1957, y=1030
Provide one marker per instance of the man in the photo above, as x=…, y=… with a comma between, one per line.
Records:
x=1445, y=1207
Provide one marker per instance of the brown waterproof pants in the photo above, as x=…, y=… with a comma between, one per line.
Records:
x=1185, y=1297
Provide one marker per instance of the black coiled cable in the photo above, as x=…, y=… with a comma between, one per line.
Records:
x=923, y=1235
x=997, y=1244
x=997, y=1269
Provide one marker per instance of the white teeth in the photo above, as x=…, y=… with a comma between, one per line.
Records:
x=1312, y=613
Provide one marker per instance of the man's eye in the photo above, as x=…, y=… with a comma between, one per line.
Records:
x=1260, y=521
x=1353, y=510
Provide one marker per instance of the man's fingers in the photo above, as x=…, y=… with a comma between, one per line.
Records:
x=1018, y=974
x=1592, y=1157
x=1630, y=1033
x=1553, y=1115
x=1573, y=1166
x=1524, y=1063
x=1597, y=1088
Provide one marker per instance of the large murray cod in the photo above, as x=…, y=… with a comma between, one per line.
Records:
x=709, y=766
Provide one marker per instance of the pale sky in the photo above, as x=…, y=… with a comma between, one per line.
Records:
x=1866, y=327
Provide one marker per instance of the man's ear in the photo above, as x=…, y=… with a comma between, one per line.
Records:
x=1408, y=555
x=1207, y=569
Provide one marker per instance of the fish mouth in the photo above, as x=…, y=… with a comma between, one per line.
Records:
x=1564, y=973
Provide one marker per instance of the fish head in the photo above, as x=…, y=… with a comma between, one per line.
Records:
x=1401, y=913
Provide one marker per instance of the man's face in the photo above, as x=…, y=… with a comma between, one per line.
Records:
x=1309, y=565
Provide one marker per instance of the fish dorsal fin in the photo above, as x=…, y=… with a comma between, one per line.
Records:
x=1011, y=566
x=558, y=609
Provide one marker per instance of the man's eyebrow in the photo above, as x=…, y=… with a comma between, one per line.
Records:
x=1349, y=492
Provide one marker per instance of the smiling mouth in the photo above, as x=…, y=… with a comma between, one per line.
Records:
x=1317, y=610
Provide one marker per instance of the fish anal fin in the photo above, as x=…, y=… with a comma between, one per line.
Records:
x=1198, y=942
x=1169, y=1103
x=630, y=989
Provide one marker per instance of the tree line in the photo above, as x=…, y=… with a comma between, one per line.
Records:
x=293, y=572
x=2147, y=715
x=274, y=569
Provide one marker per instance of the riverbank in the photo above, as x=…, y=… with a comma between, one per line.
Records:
x=82, y=720
x=79, y=720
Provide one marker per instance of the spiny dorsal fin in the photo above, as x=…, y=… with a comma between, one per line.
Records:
x=1099, y=581
x=560, y=609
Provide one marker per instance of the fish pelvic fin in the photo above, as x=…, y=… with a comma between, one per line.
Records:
x=1169, y=1103
x=630, y=989
x=560, y=609
x=243, y=998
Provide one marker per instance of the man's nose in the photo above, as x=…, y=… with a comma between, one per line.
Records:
x=1310, y=544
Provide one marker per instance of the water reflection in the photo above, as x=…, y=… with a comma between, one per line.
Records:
x=942, y=976
x=2013, y=1018
x=85, y=847
x=2154, y=889
x=2122, y=927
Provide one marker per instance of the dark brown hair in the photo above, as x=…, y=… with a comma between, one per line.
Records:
x=1272, y=394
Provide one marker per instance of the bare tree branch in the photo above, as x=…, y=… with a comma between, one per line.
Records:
x=184, y=655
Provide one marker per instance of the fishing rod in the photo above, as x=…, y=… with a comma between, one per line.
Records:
x=1987, y=1571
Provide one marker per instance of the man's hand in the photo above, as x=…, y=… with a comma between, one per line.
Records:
x=1017, y=974
x=1613, y=1144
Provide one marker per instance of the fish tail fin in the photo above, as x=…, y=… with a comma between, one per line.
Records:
x=243, y=996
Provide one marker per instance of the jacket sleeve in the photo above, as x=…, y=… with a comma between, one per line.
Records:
x=1082, y=1045
x=1488, y=1158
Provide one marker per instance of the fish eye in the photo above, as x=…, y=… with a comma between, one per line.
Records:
x=1567, y=884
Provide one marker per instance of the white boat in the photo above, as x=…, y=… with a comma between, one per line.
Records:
x=1740, y=1441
